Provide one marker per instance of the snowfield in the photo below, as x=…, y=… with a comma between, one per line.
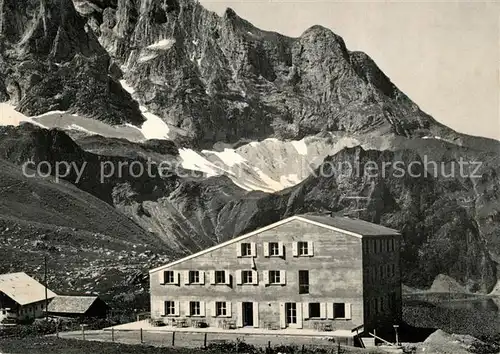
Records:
x=163, y=44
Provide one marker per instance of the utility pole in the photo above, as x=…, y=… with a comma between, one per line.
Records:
x=46, y=295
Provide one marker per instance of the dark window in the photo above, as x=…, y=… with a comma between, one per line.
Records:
x=169, y=308
x=246, y=249
x=220, y=308
x=314, y=310
x=220, y=277
x=274, y=249
x=194, y=277
x=303, y=282
x=194, y=308
x=303, y=248
x=339, y=310
x=274, y=277
x=169, y=277
x=247, y=276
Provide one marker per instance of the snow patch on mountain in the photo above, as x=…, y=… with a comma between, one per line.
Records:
x=300, y=146
x=154, y=127
x=163, y=44
x=147, y=57
x=9, y=116
x=191, y=160
x=229, y=156
x=272, y=165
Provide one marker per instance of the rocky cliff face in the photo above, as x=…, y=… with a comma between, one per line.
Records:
x=222, y=79
x=52, y=61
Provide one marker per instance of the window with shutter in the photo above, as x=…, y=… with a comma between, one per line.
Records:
x=221, y=309
x=194, y=308
x=169, y=308
x=194, y=277
x=247, y=277
x=303, y=282
x=169, y=277
x=338, y=310
x=220, y=277
x=314, y=310
x=274, y=249
x=274, y=277
x=246, y=249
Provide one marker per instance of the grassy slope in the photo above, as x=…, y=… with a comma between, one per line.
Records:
x=91, y=247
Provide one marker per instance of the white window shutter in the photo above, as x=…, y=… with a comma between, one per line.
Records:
x=212, y=277
x=283, y=277
x=266, y=249
x=256, y=314
x=295, y=249
x=227, y=277
x=281, y=249
x=255, y=277
x=238, y=250
x=162, y=277
x=213, y=310
x=239, y=314
x=282, y=315
x=348, y=310
x=239, y=276
x=253, y=248
x=187, y=311
x=305, y=310
x=322, y=310
x=310, y=248
x=202, y=308
x=202, y=277
x=329, y=310
x=161, y=309
x=266, y=277
x=229, y=309
x=186, y=277
x=299, y=315
x=177, y=307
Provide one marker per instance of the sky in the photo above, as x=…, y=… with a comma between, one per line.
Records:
x=444, y=55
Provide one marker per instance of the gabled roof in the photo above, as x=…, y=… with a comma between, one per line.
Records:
x=353, y=227
x=23, y=289
x=357, y=226
x=71, y=304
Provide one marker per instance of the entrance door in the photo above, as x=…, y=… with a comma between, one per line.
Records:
x=291, y=314
x=247, y=314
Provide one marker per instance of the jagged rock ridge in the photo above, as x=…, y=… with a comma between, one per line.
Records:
x=222, y=79
x=52, y=61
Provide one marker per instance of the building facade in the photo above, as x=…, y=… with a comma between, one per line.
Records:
x=22, y=297
x=310, y=271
